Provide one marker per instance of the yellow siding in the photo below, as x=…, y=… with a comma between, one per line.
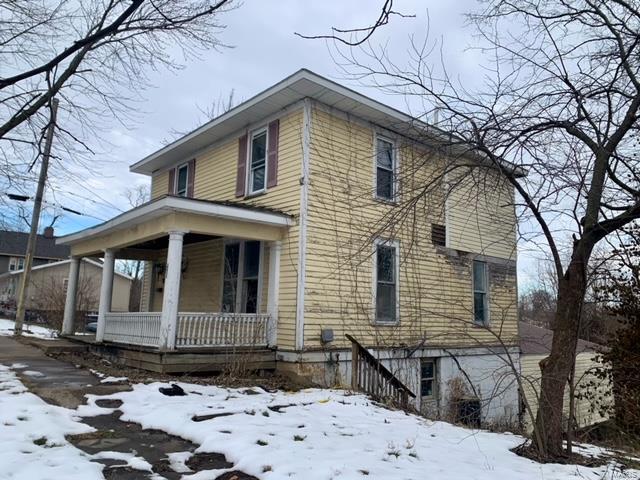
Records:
x=435, y=285
x=201, y=282
x=480, y=214
x=159, y=184
x=587, y=411
x=215, y=180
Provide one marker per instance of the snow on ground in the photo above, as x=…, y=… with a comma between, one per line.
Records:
x=329, y=434
x=32, y=443
x=7, y=328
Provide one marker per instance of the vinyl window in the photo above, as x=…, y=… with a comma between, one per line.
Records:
x=480, y=293
x=385, y=169
x=182, y=180
x=258, y=162
x=241, y=277
x=16, y=263
x=386, y=283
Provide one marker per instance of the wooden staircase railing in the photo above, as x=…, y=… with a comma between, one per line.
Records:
x=371, y=376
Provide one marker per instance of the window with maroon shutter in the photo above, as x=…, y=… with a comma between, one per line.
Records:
x=182, y=180
x=172, y=182
x=191, y=176
x=272, y=161
x=241, y=175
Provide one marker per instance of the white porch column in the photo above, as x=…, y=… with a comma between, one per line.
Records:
x=273, y=291
x=72, y=292
x=171, y=294
x=106, y=292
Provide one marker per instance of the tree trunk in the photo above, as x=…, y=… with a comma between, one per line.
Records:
x=557, y=367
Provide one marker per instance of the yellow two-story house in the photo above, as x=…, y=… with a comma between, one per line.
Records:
x=308, y=213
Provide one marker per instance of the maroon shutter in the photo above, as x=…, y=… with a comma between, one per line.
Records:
x=272, y=155
x=191, y=176
x=242, y=166
x=172, y=181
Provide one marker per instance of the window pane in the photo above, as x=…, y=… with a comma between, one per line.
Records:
x=427, y=370
x=384, y=183
x=426, y=388
x=258, y=149
x=229, y=295
x=182, y=180
x=231, y=258
x=257, y=179
x=230, y=283
x=479, y=277
x=386, y=263
x=250, y=296
x=386, y=303
x=251, y=259
x=479, y=311
x=384, y=154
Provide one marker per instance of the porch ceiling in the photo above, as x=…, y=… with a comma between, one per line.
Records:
x=152, y=221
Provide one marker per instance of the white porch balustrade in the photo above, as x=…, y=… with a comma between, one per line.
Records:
x=193, y=329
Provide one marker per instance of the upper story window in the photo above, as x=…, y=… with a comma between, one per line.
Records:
x=385, y=169
x=182, y=180
x=386, y=282
x=480, y=293
x=258, y=162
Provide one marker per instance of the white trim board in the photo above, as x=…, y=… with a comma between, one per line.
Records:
x=164, y=205
x=302, y=233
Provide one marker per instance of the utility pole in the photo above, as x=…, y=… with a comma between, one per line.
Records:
x=35, y=219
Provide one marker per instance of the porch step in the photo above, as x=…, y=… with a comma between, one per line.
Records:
x=199, y=361
x=58, y=345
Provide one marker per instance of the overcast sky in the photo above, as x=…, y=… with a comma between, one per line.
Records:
x=263, y=50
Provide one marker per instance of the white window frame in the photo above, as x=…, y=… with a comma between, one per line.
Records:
x=487, y=318
x=241, y=277
x=177, y=178
x=14, y=263
x=394, y=171
x=387, y=243
x=249, y=178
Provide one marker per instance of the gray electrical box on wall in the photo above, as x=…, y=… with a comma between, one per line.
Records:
x=326, y=335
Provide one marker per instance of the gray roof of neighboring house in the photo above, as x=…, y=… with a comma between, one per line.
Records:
x=537, y=341
x=48, y=266
x=15, y=244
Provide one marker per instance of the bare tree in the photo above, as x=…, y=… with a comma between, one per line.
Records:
x=96, y=58
x=560, y=102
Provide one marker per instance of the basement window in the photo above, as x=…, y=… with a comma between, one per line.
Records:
x=427, y=377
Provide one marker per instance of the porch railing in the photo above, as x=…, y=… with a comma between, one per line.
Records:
x=222, y=330
x=133, y=328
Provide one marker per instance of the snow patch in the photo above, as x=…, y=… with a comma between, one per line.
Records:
x=32, y=438
x=7, y=328
x=320, y=434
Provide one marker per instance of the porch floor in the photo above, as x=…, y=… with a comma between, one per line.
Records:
x=192, y=361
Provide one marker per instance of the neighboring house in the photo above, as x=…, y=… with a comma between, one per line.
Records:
x=266, y=222
x=593, y=394
x=49, y=282
x=13, y=248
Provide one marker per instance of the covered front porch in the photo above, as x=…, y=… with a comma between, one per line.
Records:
x=211, y=275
